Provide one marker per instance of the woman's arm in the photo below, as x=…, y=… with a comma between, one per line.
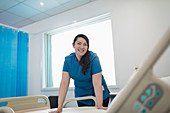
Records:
x=97, y=83
x=62, y=91
x=63, y=88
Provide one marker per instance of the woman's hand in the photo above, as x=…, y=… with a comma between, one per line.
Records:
x=101, y=107
x=59, y=110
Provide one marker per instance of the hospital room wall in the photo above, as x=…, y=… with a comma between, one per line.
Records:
x=137, y=26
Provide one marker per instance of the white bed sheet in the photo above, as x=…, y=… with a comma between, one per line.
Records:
x=74, y=110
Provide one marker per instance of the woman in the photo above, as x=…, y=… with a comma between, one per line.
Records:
x=84, y=68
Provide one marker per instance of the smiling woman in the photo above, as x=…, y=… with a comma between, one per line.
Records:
x=59, y=45
x=83, y=66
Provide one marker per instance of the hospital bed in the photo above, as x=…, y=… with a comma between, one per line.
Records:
x=28, y=104
x=144, y=93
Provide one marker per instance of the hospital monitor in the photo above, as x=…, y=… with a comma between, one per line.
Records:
x=145, y=93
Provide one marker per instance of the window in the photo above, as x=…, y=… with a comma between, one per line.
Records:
x=59, y=44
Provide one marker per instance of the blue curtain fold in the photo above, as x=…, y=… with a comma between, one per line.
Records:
x=13, y=62
x=22, y=63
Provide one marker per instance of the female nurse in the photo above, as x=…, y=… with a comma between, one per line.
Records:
x=83, y=66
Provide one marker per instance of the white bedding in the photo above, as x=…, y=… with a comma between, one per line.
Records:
x=74, y=110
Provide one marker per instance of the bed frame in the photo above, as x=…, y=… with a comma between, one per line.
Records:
x=26, y=103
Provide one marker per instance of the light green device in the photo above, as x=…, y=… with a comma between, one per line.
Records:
x=145, y=93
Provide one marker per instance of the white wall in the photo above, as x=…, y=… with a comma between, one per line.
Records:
x=137, y=26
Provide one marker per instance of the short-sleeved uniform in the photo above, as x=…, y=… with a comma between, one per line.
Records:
x=83, y=83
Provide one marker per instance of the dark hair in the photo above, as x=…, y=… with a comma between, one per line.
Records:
x=85, y=60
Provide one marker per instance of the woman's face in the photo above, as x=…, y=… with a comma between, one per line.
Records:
x=80, y=47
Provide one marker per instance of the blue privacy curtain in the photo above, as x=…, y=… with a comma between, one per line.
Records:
x=13, y=62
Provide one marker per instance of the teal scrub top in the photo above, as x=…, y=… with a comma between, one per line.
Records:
x=83, y=83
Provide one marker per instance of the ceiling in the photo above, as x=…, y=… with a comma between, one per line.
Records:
x=19, y=13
